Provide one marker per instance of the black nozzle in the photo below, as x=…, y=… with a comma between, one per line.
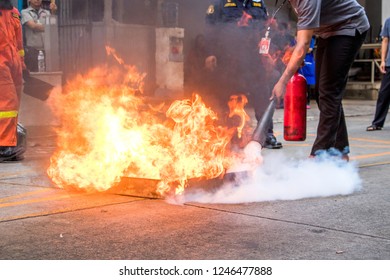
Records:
x=261, y=130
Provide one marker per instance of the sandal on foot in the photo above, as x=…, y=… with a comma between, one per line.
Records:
x=373, y=127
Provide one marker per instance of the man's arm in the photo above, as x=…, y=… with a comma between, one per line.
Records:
x=297, y=57
x=385, y=47
x=35, y=26
x=28, y=21
x=53, y=7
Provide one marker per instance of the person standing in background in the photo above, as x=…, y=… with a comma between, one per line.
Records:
x=234, y=30
x=33, y=21
x=11, y=81
x=195, y=65
x=383, y=102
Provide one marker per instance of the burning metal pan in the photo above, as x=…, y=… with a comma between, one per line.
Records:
x=145, y=187
x=142, y=187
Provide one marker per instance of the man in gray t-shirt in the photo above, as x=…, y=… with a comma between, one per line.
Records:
x=341, y=27
x=383, y=101
x=33, y=20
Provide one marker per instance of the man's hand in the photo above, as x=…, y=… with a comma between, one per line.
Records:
x=279, y=91
x=382, y=67
x=53, y=6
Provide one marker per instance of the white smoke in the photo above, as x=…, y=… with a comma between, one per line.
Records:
x=282, y=178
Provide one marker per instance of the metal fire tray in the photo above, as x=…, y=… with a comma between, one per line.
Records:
x=146, y=187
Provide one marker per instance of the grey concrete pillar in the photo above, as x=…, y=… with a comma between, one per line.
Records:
x=51, y=43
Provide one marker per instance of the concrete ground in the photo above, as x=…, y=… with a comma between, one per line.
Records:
x=41, y=222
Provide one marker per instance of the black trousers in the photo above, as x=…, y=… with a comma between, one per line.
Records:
x=31, y=58
x=334, y=57
x=383, y=102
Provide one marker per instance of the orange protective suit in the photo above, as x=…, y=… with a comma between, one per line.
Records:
x=11, y=81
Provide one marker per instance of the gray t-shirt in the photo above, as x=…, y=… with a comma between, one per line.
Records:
x=386, y=33
x=34, y=38
x=331, y=17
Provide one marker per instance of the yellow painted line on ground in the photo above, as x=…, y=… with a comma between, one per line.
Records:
x=66, y=210
x=289, y=144
x=296, y=145
x=375, y=164
x=370, y=155
x=371, y=146
x=40, y=214
x=42, y=199
x=13, y=174
x=23, y=195
x=371, y=140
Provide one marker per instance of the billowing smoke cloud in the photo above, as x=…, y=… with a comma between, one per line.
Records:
x=282, y=178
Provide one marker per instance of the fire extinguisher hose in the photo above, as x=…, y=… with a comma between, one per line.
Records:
x=260, y=133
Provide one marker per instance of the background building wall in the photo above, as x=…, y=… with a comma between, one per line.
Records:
x=373, y=10
x=385, y=10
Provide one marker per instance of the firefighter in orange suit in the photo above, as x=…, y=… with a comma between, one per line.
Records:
x=11, y=81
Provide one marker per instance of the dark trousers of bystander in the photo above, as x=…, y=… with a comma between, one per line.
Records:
x=334, y=57
x=31, y=58
x=383, y=102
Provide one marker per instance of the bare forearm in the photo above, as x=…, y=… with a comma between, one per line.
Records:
x=293, y=65
x=35, y=26
x=298, y=55
x=385, y=47
x=302, y=46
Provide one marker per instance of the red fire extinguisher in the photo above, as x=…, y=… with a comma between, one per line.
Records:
x=295, y=109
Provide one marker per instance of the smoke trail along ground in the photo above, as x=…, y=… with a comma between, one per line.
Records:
x=281, y=178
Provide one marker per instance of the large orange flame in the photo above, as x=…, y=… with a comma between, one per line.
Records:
x=108, y=131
